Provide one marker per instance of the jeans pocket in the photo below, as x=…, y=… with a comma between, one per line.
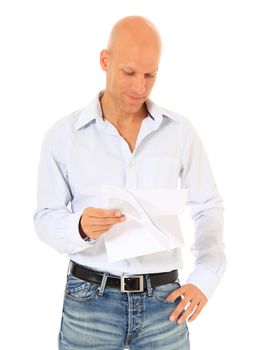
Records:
x=160, y=293
x=80, y=290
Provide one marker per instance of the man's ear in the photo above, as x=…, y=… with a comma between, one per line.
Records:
x=104, y=59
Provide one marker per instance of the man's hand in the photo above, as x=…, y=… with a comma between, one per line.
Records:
x=192, y=303
x=95, y=221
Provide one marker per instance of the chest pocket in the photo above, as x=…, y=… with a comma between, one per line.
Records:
x=158, y=172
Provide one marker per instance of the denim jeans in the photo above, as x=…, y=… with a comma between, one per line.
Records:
x=103, y=318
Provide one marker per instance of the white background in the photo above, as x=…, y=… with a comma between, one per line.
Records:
x=50, y=67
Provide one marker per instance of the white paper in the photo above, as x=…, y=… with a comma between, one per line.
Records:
x=151, y=222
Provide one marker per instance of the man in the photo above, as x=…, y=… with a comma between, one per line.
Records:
x=122, y=139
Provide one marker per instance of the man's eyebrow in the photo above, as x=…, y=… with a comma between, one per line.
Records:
x=131, y=69
x=128, y=68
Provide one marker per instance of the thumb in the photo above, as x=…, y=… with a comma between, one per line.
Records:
x=175, y=294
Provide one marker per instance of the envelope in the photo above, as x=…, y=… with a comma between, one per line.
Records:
x=151, y=225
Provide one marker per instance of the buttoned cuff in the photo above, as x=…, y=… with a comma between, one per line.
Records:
x=204, y=279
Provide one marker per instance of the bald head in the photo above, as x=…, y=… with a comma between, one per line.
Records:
x=131, y=63
x=134, y=31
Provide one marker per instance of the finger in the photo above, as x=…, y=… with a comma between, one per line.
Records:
x=92, y=221
x=196, y=312
x=177, y=311
x=189, y=310
x=94, y=229
x=103, y=213
x=175, y=294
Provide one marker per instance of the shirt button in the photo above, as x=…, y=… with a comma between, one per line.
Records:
x=131, y=163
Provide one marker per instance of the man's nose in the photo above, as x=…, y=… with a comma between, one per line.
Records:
x=139, y=85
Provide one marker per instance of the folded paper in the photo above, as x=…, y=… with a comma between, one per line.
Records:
x=151, y=225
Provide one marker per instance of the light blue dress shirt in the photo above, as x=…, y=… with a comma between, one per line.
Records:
x=82, y=151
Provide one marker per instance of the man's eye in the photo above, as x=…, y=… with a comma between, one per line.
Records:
x=129, y=73
x=150, y=76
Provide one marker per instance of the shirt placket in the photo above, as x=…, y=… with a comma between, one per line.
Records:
x=130, y=165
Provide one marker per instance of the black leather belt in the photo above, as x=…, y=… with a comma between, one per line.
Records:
x=126, y=283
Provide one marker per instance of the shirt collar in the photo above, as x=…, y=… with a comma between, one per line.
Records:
x=93, y=112
x=157, y=113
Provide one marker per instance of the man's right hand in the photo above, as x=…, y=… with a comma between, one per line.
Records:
x=95, y=221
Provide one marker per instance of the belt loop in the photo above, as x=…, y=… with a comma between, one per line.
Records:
x=69, y=267
x=149, y=287
x=103, y=283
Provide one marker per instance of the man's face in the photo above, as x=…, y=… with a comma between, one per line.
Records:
x=130, y=76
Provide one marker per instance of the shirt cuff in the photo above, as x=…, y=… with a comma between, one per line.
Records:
x=78, y=243
x=204, y=279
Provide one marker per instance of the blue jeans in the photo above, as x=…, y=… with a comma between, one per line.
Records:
x=103, y=318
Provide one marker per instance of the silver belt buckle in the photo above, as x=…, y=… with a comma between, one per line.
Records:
x=123, y=284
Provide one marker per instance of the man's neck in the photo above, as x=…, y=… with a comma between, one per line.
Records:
x=113, y=114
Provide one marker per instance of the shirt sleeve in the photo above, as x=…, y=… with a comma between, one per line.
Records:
x=207, y=212
x=55, y=223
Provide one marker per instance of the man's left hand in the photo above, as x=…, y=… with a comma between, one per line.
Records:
x=192, y=303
